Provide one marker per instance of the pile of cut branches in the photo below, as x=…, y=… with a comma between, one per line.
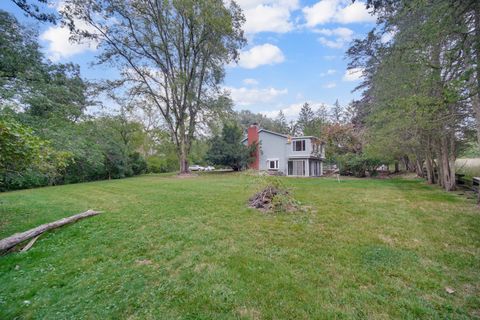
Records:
x=273, y=196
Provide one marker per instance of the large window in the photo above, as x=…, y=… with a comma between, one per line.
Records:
x=272, y=164
x=299, y=145
x=296, y=167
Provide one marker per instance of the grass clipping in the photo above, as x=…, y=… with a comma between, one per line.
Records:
x=272, y=195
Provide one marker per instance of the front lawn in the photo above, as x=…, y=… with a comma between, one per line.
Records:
x=170, y=248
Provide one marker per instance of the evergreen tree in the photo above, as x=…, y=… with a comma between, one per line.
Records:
x=337, y=113
x=306, y=119
x=227, y=149
x=281, y=124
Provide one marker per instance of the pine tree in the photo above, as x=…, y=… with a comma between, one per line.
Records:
x=305, y=119
x=280, y=123
x=337, y=113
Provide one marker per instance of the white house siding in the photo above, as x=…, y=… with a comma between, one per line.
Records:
x=300, y=154
x=273, y=147
x=277, y=147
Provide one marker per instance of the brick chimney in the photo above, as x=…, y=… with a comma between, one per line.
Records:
x=253, y=138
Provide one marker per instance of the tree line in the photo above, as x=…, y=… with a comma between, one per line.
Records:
x=420, y=102
x=420, y=93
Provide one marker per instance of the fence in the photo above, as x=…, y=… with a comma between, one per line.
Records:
x=472, y=184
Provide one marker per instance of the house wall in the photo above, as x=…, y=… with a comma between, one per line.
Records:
x=277, y=147
x=273, y=147
x=300, y=154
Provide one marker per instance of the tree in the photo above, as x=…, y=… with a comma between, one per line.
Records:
x=20, y=147
x=310, y=123
x=171, y=52
x=227, y=149
x=416, y=100
x=245, y=118
x=306, y=119
x=337, y=112
x=45, y=90
x=281, y=124
x=20, y=58
x=34, y=10
x=25, y=156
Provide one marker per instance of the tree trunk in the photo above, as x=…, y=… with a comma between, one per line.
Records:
x=476, y=97
x=17, y=238
x=419, y=168
x=183, y=162
x=183, y=155
x=439, y=165
x=445, y=163
x=430, y=168
x=397, y=170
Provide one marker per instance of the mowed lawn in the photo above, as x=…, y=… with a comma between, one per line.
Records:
x=170, y=248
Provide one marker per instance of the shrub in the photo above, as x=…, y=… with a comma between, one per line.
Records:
x=159, y=164
x=138, y=163
x=357, y=165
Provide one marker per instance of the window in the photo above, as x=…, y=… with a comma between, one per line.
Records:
x=299, y=145
x=296, y=168
x=272, y=164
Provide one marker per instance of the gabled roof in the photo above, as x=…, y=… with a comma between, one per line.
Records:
x=282, y=135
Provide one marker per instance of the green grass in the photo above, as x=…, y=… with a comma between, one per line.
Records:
x=169, y=248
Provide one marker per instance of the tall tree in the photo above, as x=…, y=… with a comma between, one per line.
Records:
x=337, y=114
x=281, y=124
x=306, y=119
x=415, y=92
x=172, y=52
x=227, y=149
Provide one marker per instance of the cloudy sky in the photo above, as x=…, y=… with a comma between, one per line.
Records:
x=295, y=53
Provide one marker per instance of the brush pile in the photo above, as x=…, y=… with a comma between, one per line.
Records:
x=273, y=200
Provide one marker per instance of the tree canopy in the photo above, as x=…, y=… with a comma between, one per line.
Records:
x=169, y=52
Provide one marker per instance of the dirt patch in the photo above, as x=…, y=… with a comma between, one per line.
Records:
x=249, y=313
x=144, y=262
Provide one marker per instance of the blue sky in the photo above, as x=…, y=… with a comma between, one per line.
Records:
x=295, y=53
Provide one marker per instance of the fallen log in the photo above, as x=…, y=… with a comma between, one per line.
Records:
x=17, y=238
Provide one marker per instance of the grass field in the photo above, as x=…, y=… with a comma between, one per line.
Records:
x=170, y=248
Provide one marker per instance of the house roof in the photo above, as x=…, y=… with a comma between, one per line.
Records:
x=283, y=135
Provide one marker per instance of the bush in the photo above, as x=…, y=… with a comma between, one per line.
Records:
x=157, y=164
x=29, y=178
x=138, y=163
x=357, y=165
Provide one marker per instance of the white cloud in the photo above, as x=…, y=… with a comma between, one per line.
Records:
x=268, y=15
x=329, y=85
x=353, y=13
x=353, y=74
x=250, y=81
x=58, y=38
x=249, y=96
x=337, y=38
x=329, y=72
x=59, y=45
x=341, y=32
x=329, y=58
x=292, y=111
x=266, y=54
x=340, y=11
x=321, y=12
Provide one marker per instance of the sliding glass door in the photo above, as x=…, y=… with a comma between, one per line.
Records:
x=296, y=167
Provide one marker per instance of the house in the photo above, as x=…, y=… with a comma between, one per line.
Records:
x=292, y=156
